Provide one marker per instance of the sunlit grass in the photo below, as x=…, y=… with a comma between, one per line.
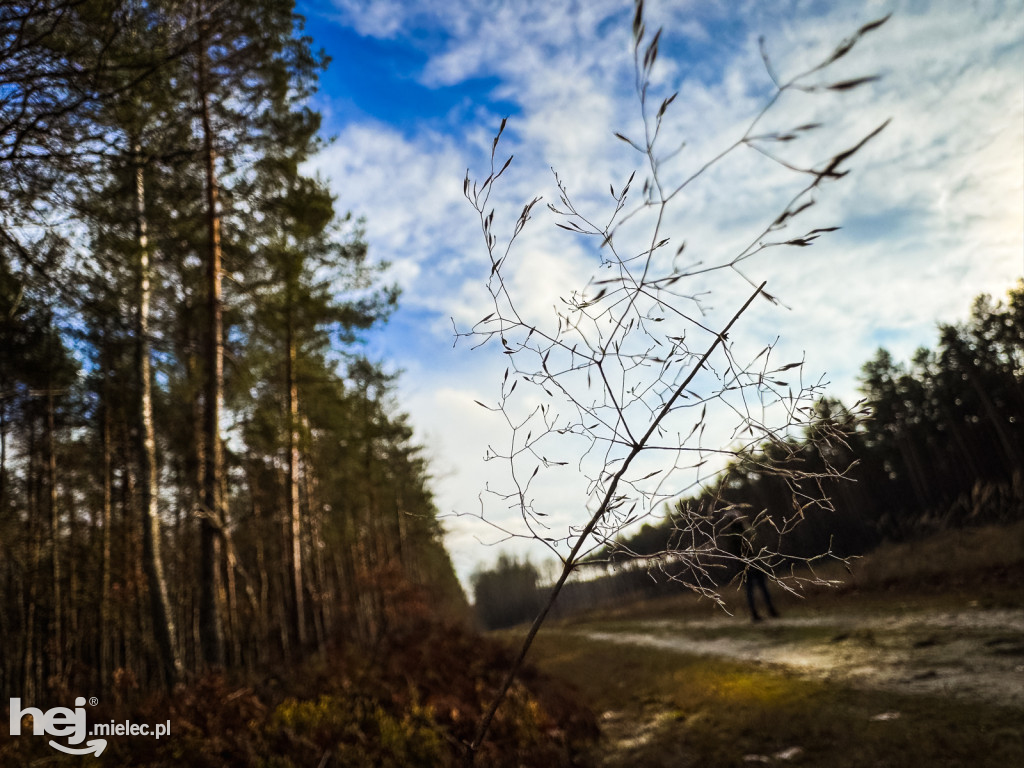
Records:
x=667, y=709
x=660, y=707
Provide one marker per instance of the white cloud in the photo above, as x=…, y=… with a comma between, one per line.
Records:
x=410, y=192
x=932, y=212
x=374, y=18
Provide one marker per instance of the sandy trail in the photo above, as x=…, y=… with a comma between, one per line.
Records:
x=972, y=653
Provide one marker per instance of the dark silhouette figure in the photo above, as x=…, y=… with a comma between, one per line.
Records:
x=739, y=539
x=755, y=579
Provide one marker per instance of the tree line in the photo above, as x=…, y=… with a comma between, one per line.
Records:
x=198, y=468
x=936, y=442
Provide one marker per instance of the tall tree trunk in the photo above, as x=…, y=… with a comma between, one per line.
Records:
x=281, y=612
x=30, y=685
x=56, y=625
x=106, y=605
x=10, y=657
x=232, y=624
x=295, y=541
x=211, y=635
x=263, y=605
x=132, y=575
x=3, y=448
x=323, y=603
x=32, y=677
x=196, y=468
x=152, y=561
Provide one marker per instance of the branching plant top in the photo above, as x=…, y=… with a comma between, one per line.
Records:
x=628, y=381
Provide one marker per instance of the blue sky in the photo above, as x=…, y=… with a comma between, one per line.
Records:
x=932, y=214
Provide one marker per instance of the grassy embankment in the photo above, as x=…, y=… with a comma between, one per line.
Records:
x=663, y=708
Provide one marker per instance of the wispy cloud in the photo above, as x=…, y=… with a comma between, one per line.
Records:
x=932, y=213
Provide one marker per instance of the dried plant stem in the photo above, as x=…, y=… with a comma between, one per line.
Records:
x=572, y=559
x=611, y=373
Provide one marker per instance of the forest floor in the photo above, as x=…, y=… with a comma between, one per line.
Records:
x=923, y=665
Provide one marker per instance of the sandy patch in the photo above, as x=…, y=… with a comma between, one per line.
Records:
x=971, y=653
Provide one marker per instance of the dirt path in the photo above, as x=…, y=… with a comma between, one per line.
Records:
x=971, y=653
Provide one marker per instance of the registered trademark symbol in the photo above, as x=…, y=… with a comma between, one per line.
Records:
x=93, y=701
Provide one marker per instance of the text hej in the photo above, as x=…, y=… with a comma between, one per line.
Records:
x=65, y=722
x=58, y=721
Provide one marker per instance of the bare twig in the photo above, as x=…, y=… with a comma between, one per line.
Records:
x=572, y=559
x=623, y=367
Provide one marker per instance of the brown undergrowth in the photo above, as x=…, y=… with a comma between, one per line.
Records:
x=412, y=699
